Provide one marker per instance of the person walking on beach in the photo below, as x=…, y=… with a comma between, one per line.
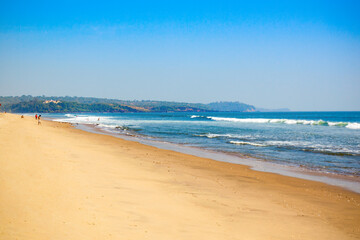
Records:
x=39, y=120
x=35, y=116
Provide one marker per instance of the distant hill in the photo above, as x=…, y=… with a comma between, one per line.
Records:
x=231, y=107
x=25, y=104
x=65, y=107
x=43, y=104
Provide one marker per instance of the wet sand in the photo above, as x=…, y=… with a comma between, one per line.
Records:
x=57, y=182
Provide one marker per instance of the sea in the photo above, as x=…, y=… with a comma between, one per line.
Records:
x=318, y=142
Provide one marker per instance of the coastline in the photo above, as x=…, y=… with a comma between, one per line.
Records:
x=346, y=182
x=67, y=183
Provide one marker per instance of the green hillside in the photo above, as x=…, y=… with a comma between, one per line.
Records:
x=43, y=104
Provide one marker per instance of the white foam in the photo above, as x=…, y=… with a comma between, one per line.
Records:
x=353, y=125
x=214, y=135
x=210, y=135
x=101, y=125
x=338, y=150
x=242, y=120
x=313, y=147
x=302, y=144
x=247, y=143
x=87, y=119
x=288, y=121
x=288, y=143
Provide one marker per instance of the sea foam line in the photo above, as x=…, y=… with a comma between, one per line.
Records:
x=304, y=146
x=247, y=143
x=350, y=125
x=215, y=135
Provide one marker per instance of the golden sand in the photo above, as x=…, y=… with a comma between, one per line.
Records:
x=57, y=182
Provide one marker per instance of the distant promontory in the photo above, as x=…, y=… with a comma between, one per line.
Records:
x=43, y=104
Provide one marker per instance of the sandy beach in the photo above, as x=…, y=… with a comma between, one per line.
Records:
x=57, y=182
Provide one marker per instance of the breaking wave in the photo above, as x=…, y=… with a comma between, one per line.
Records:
x=201, y=117
x=350, y=125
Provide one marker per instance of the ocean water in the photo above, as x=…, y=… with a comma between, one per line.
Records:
x=326, y=142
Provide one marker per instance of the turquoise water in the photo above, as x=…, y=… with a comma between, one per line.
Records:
x=321, y=141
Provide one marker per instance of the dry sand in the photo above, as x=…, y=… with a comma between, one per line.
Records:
x=57, y=182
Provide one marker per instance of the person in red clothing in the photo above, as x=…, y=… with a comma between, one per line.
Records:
x=35, y=116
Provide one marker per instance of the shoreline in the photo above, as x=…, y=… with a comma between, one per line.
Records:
x=58, y=182
x=351, y=183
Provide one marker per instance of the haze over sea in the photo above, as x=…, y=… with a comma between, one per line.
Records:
x=328, y=142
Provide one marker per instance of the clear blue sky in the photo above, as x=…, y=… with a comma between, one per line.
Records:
x=304, y=55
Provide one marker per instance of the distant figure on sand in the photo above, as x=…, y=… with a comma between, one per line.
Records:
x=35, y=116
x=39, y=120
x=22, y=116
